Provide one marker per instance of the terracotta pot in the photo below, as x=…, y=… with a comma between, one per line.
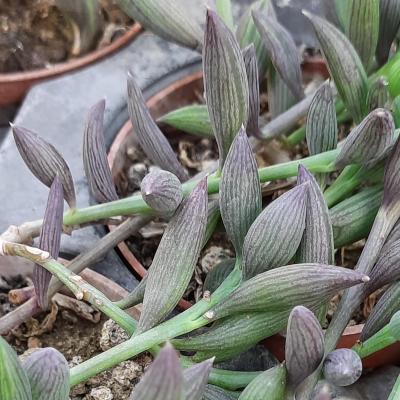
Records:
x=185, y=92
x=14, y=85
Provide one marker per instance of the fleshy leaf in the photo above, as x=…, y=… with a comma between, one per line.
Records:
x=175, y=258
x=162, y=191
x=247, y=33
x=389, y=15
x=97, y=170
x=321, y=128
x=224, y=10
x=233, y=335
x=151, y=139
x=342, y=367
x=362, y=27
x=382, y=312
x=135, y=297
x=282, y=50
x=394, y=326
x=369, y=141
x=167, y=19
x=344, y=65
x=304, y=349
x=288, y=286
x=48, y=374
x=396, y=111
x=44, y=161
x=391, y=181
x=378, y=94
x=192, y=119
x=316, y=245
x=196, y=378
x=275, y=235
x=225, y=83
x=164, y=378
x=49, y=239
x=250, y=61
x=270, y=385
x=14, y=382
x=218, y=274
x=240, y=191
x=216, y=393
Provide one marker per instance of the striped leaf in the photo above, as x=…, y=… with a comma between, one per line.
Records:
x=167, y=19
x=382, y=312
x=225, y=83
x=151, y=139
x=192, y=119
x=163, y=379
x=175, y=259
x=394, y=326
x=378, y=94
x=396, y=111
x=342, y=367
x=218, y=274
x=389, y=25
x=48, y=373
x=95, y=161
x=216, y=393
x=369, y=141
x=344, y=65
x=362, y=28
x=280, y=98
x=275, y=235
x=196, y=378
x=49, y=239
x=247, y=33
x=321, y=127
x=224, y=10
x=250, y=61
x=213, y=219
x=282, y=51
x=162, y=191
x=44, y=161
x=316, y=245
x=286, y=287
x=270, y=385
x=14, y=382
x=240, y=191
x=304, y=349
x=135, y=297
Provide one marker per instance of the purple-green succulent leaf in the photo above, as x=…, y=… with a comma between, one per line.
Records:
x=175, y=259
x=44, y=161
x=240, y=191
x=216, y=393
x=378, y=94
x=218, y=274
x=225, y=83
x=48, y=373
x=49, y=239
x=196, y=378
x=95, y=161
x=151, y=139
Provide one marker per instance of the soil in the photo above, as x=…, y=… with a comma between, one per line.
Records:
x=35, y=34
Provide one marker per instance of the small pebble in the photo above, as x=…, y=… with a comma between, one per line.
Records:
x=100, y=393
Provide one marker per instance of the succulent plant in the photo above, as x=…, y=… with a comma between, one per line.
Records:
x=283, y=273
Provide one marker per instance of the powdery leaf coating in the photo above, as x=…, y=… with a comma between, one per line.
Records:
x=196, y=378
x=240, y=191
x=321, y=128
x=49, y=239
x=44, y=161
x=14, y=382
x=95, y=161
x=151, y=139
x=342, y=367
x=304, y=349
x=175, y=258
x=270, y=385
x=285, y=287
x=370, y=141
x=389, y=16
x=225, y=83
x=48, y=374
x=162, y=191
x=275, y=235
x=282, y=51
x=167, y=19
x=344, y=65
x=163, y=379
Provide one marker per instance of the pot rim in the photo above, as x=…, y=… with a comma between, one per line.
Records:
x=72, y=64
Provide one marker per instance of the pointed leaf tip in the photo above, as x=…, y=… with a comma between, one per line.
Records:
x=196, y=378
